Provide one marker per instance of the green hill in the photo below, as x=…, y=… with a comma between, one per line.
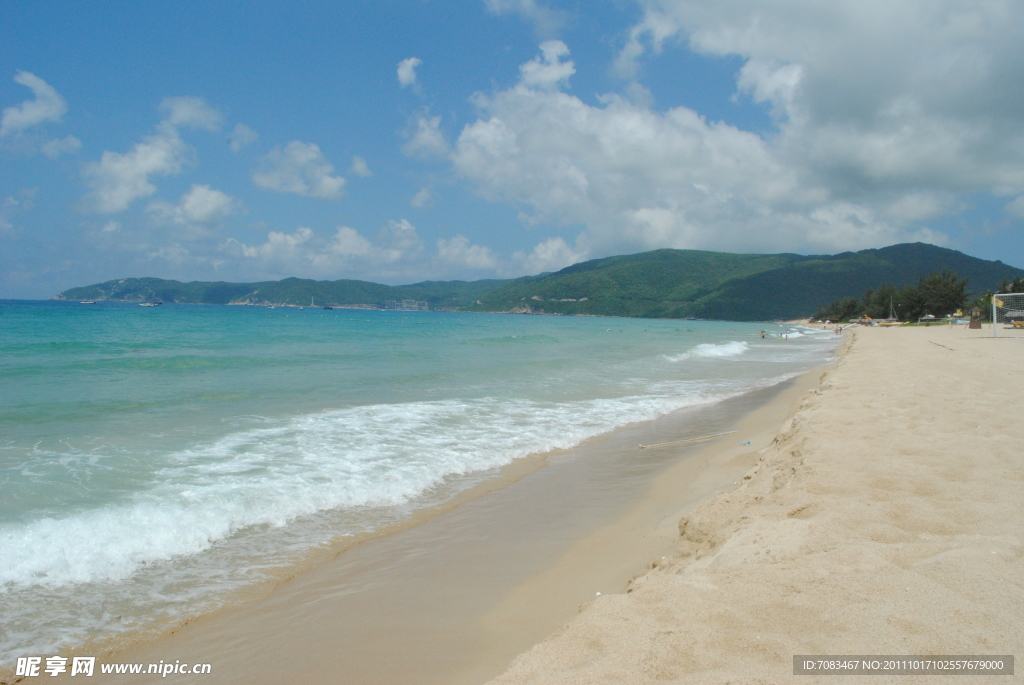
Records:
x=715, y=285
x=658, y=284
x=294, y=291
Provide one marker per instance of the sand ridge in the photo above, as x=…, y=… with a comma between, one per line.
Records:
x=885, y=518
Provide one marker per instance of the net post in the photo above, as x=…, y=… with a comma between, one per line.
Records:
x=995, y=326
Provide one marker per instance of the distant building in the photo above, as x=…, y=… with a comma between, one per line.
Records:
x=406, y=305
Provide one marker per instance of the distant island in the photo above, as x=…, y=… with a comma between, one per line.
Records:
x=658, y=284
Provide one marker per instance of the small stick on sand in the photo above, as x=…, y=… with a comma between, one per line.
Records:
x=680, y=442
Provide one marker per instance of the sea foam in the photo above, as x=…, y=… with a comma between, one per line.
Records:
x=379, y=455
x=712, y=351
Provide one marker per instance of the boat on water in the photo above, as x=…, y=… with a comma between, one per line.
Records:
x=150, y=304
x=87, y=302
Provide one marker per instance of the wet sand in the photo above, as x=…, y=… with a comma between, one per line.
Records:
x=886, y=518
x=455, y=598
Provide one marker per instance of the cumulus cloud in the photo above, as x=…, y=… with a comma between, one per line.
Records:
x=190, y=111
x=550, y=255
x=241, y=136
x=422, y=199
x=118, y=179
x=460, y=253
x=546, y=21
x=360, y=167
x=398, y=239
x=425, y=140
x=396, y=249
x=831, y=178
x=902, y=96
x=407, y=73
x=548, y=71
x=279, y=247
x=59, y=146
x=202, y=207
x=299, y=168
x=347, y=243
x=47, y=105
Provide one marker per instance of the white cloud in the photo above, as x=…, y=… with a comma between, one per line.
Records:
x=200, y=208
x=545, y=20
x=548, y=71
x=360, y=167
x=118, y=179
x=460, y=253
x=58, y=146
x=348, y=243
x=422, y=199
x=396, y=250
x=871, y=97
x=111, y=227
x=279, y=247
x=241, y=136
x=550, y=255
x=190, y=111
x=173, y=253
x=407, y=73
x=917, y=207
x=48, y=105
x=639, y=179
x=425, y=140
x=397, y=240
x=299, y=168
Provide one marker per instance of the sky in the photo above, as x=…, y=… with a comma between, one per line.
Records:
x=434, y=140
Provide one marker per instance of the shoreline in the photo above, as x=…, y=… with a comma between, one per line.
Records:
x=885, y=518
x=505, y=636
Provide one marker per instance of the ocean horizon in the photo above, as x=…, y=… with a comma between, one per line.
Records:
x=157, y=462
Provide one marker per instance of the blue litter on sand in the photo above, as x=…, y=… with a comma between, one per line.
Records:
x=745, y=443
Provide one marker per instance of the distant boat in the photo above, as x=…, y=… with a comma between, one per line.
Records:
x=87, y=302
x=327, y=306
x=150, y=304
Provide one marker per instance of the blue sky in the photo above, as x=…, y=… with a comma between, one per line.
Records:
x=402, y=141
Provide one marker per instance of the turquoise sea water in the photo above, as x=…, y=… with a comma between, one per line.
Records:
x=156, y=461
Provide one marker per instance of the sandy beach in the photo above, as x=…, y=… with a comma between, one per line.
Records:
x=871, y=506
x=457, y=596
x=885, y=518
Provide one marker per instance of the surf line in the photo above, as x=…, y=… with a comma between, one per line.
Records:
x=680, y=442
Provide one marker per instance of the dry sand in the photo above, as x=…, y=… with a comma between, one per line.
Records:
x=887, y=517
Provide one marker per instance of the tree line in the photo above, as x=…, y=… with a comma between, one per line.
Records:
x=939, y=294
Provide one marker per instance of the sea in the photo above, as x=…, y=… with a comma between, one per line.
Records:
x=157, y=463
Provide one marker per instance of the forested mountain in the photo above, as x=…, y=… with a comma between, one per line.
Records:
x=716, y=285
x=658, y=284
